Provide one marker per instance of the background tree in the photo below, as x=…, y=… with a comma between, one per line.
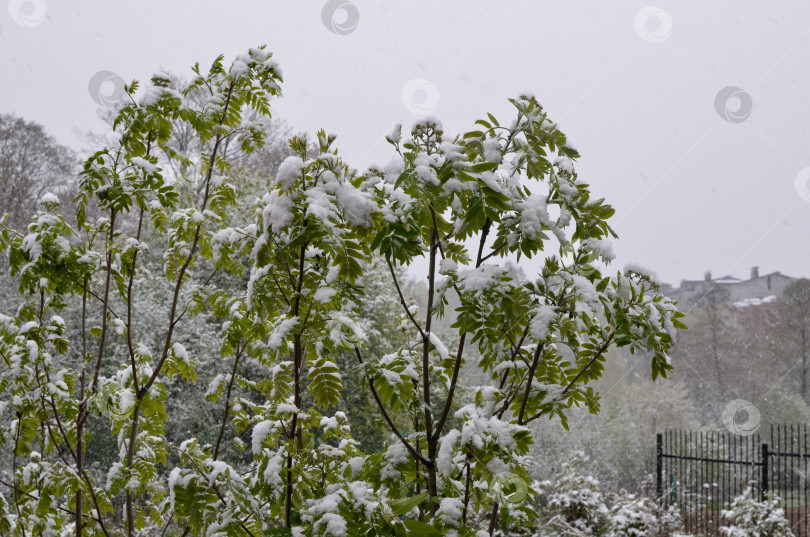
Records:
x=620, y=440
x=31, y=164
x=789, y=331
x=713, y=353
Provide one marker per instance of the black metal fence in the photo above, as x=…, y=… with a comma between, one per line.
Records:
x=701, y=472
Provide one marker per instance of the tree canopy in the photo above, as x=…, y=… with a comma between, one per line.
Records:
x=286, y=292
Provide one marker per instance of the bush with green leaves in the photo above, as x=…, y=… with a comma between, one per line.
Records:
x=286, y=290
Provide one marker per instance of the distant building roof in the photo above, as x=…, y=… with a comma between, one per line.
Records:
x=758, y=289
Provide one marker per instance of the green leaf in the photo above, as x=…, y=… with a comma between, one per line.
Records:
x=325, y=382
x=484, y=166
x=277, y=532
x=678, y=324
x=402, y=506
x=418, y=528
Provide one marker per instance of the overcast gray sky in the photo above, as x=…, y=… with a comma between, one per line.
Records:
x=701, y=178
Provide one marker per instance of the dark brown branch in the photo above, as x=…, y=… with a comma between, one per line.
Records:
x=105, y=301
x=228, y=399
x=280, y=290
x=216, y=490
x=56, y=444
x=466, y=490
x=432, y=443
x=133, y=439
x=416, y=455
x=598, y=354
x=460, y=352
x=181, y=273
x=484, y=232
x=493, y=519
x=451, y=391
x=581, y=372
x=185, y=307
x=82, y=409
x=493, y=252
x=535, y=362
x=173, y=319
x=129, y=306
x=106, y=306
x=59, y=507
x=402, y=299
x=298, y=364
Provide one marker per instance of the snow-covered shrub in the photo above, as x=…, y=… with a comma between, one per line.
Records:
x=572, y=504
x=752, y=518
x=574, y=501
x=632, y=516
x=669, y=522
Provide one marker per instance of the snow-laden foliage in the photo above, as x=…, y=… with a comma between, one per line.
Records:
x=573, y=499
x=285, y=292
x=748, y=517
x=572, y=503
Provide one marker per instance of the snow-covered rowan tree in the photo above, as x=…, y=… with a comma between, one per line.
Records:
x=512, y=190
x=96, y=263
x=287, y=290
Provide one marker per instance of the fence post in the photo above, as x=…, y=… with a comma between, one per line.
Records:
x=659, y=466
x=765, y=473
